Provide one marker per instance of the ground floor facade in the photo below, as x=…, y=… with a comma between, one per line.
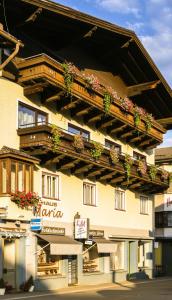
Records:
x=163, y=257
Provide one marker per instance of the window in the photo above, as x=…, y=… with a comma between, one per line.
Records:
x=50, y=186
x=144, y=205
x=163, y=219
x=77, y=130
x=139, y=156
x=110, y=145
x=89, y=191
x=29, y=116
x=119, y=199
x=117, y=257
x=90, y=259
x=15, y=176
x=48, y=265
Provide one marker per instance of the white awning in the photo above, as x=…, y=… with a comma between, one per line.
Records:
x=104, y=245
x=62, y=245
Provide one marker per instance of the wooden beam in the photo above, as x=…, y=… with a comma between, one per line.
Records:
x=80, y=110
x=33, y=16
x=117, y=129
x=125, y=45
x=36, y=88
x=166, y=122
x=144, y=143
x=94, y=172
x=55, y=97
x=106, y=176
x=135, y=185
x=117, y=179
x=64, y=103
x=67, y=163
x=105, y=122
x=126, y=134
x=141, y=87
x=93, y=116
x=139, y=137
x=55, y=159
x=90, y=32
x=82, y=169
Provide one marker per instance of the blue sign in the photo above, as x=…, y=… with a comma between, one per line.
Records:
x=35, y=224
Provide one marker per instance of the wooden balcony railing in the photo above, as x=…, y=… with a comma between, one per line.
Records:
x=37, y=141
x=40, y=73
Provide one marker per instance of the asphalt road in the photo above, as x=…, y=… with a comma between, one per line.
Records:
x=160, y=289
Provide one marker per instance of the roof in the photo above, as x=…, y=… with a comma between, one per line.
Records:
x=52, y=27
x=10, y=152
x=163, y=155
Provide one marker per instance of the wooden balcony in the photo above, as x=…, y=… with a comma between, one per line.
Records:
x=41, y=73
x=37, y=141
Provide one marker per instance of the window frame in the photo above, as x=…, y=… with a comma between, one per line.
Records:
x=95, y=194
x=123, y=200
x=113, y=145
x=147, y=205
x=58, y=186
x=140, y=156
x=80, y=129
x=34, y=109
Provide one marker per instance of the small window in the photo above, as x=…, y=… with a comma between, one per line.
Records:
x=110, y=145
x=139, y=156
x=77, y=130
x=117, y=257
x=144, y=205
x=29, y=116
x=119, y=199
x=50, y=186
x=89, y=192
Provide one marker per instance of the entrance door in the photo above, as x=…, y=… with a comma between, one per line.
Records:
x=132, y=260
x=9, y=262
x=72, y=270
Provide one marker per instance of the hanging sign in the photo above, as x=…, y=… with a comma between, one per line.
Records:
x=81, y=228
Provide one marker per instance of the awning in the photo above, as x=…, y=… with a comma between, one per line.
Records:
x=104, y=245
x=62, y=245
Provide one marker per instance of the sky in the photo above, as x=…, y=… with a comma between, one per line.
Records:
x=150, y=19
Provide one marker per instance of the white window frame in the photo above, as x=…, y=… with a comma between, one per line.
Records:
x=92, y=202
x=144, y=205
x=120, y=204
x=45, y=193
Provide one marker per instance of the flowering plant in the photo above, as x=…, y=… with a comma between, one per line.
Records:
x=164, y=174
x=92, y=82
x=127, y=165
x=126, y=104
x=109, y=96
x=114, y=155
x=142, y=167
x=56, y=136
x=97, y=150
x=78, y=142
x=25, y=200
x=148, y=121
x=70, y=71
x=152, y=172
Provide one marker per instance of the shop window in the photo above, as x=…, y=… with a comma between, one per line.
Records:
x=77, y=130
x=144, y=207
x=29, y=116
x=139, y=156
x=90, y=259
x=117, y=257
x=47, y=264
x=89, y=194
x=15, y=176
x=119, y=199
x=169, y=219
x=50, y=186
x=112, y=145
x=143, y=254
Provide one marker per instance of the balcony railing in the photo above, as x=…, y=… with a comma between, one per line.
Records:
x=40, y=73
x=38, y=141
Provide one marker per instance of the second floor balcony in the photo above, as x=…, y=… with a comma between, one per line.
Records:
x=44, y=75
x=90, y=159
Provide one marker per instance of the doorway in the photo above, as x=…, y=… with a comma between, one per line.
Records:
x=9, y=262
x=72, y=270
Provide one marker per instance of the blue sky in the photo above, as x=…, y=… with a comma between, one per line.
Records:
x=150, y=19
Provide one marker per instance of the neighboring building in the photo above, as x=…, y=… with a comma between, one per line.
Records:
x=163, y=218
x=95, y=224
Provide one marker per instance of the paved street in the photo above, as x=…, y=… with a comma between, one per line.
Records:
x=160, y=289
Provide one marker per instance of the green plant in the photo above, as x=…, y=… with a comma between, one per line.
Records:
x=128, y=162
x=56, y=137
x=148, y=122
x=107, y=100
x=70, y=71
x=142, y=167
x=152, y=172
x=25, y=200
x=2, y=283
x=97, y=150
x=137, y=116
x=114, y=155
x=78, y=142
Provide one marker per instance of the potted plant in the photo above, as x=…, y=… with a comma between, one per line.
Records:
x=164, y=174
x=91, y=82
x=126, y=104
x=25, y=200
x=148, y=122
x=127, y=165
x=96, y=150
x=109, y=96
x=2, y=287
x=56, y=137
x=114, y=155
x=142, y=167
x=152, y=172
x=70, y=72
x=78, y=142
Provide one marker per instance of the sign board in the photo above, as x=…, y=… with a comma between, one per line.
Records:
x=35, y=224
x=49, y=210
x=96, y=233
x=156, y=245
x=88, y=242
x=53, y=230
x=81, y=228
